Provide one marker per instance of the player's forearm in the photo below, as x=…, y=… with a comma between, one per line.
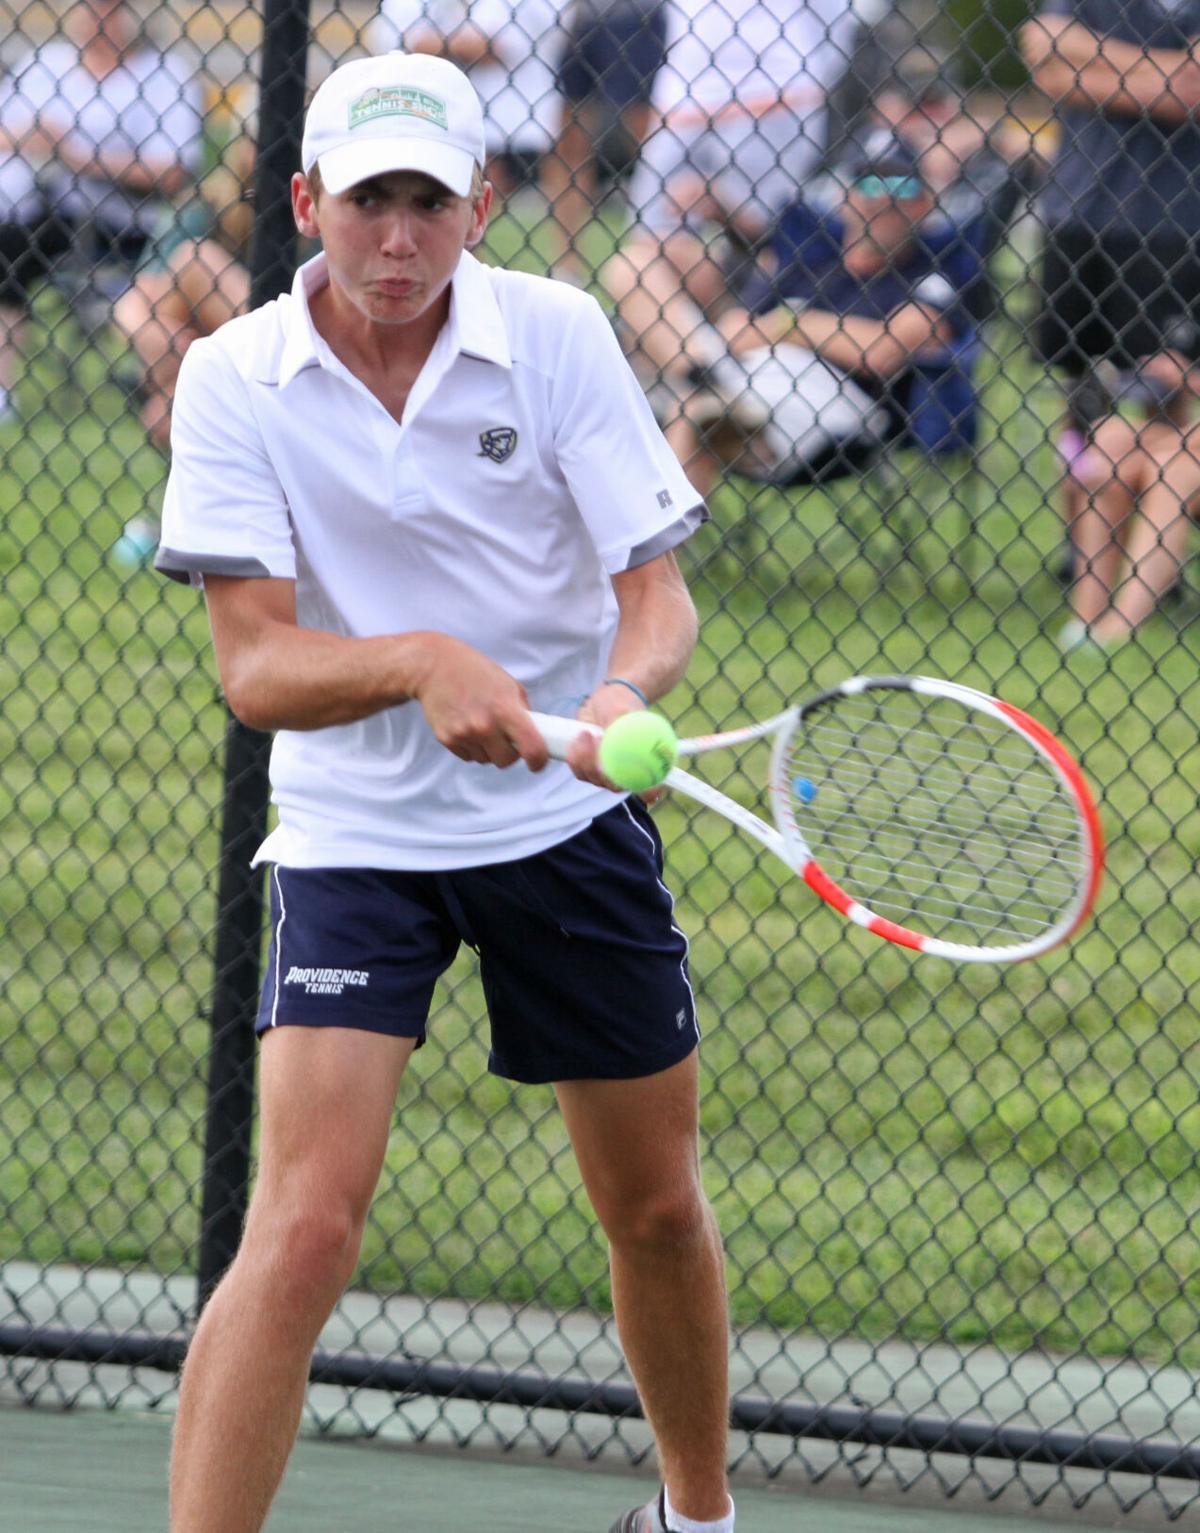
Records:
x=300, y=678
x=1077, y=67
x=658, y=627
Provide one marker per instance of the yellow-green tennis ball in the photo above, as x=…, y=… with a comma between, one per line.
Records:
x=637, y=751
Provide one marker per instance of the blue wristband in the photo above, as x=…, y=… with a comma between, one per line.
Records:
x=619, y=681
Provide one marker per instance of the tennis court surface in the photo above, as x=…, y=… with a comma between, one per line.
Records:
x=105, y=1472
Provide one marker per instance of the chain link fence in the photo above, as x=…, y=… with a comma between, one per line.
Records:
x=960, y=1207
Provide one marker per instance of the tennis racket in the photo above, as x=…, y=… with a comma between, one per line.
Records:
x=933, y=815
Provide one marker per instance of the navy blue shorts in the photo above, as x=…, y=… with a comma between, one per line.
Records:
x=583, y=967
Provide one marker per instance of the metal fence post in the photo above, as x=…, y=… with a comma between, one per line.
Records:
x=230, y=1107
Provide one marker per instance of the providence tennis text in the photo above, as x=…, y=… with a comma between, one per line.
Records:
x=326, y=981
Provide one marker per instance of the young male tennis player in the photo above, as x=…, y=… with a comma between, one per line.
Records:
x=424, y=495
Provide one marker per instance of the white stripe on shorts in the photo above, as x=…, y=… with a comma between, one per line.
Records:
x=277, y=939
x=641, y=830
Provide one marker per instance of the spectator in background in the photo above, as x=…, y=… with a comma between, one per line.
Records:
x=510, y=52
x=103, y=128
x=1121, y=270
x=614, y=51
x=740, y=104
x=192, y=279
x=868, y=290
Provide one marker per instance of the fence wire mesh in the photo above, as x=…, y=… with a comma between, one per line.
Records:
x=914, y=291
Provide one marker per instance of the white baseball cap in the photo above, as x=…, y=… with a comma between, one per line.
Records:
x=400, y=111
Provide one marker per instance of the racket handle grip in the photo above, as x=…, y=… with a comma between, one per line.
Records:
x=560, y=733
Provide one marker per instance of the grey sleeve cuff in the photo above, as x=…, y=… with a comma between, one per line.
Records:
x=188, y=567
x=670, y=537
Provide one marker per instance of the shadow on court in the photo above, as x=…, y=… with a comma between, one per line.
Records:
x=96, y=1472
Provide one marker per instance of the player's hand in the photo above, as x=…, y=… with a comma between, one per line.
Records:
x=605, y=704
x=475, y=708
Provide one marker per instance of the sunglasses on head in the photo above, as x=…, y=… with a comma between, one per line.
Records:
x=899, y=187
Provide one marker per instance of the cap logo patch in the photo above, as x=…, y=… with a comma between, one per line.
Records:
x=398, y=101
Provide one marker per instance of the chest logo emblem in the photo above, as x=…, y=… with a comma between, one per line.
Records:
x=498, y=443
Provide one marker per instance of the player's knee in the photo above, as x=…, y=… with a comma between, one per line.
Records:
x=310, y=1250
x=663, y=1224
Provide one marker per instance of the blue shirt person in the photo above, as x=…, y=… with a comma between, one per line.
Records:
x=864, y=332
x=882, y=257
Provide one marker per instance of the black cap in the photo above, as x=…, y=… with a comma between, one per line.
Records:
x=883, y=153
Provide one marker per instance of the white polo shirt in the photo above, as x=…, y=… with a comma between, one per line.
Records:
x=527, y=470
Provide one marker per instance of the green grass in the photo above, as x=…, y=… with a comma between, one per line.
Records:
x=894, y=1147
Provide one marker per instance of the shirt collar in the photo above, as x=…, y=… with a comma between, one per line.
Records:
x=476, y=325
x=302, y=346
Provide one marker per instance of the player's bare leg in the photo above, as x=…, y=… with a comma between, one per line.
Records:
x=636, y=1142
x=327, y=1099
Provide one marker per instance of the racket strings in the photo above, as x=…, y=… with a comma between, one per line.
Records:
x=1027, y=786
x=942, y=892
x=1003, y=879
x=935, y=816
x=1006, y=835
x=1016, y=765
x=1007, y=822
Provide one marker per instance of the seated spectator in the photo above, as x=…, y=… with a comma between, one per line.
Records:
x=978, y=165
x=613, y=53
x=106, y=128
x=510, y=50
x=1142, y=484
x=869, y=290
x=741, y=121
x=192, y=279
x=1120, y=267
